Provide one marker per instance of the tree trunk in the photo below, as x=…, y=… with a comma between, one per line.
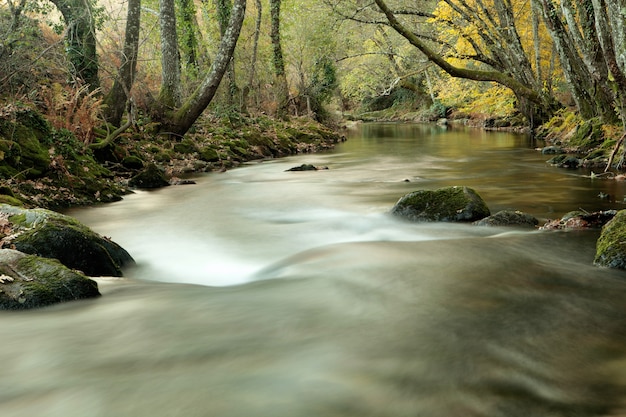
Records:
x=281, y=89
x=117, y=98
x=179, y=121
x=583, y=73
x=536, y=41
x=255, y=50
x=80, y=40
x=223, y=17
x=607, y=26
x=170, y=94
x=188, y=34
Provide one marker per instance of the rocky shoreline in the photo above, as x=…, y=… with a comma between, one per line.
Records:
x=42, y=167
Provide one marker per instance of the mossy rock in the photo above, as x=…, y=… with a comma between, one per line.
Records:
x=132, y=162
x=53, y=235
x=151, y=177
x=186, y=146
x=611, y=246
x=565, y=161
x=588, y=135
x=31, y=137
x=25, y=153
x=509, y=218
x=29, y=281
x=450, y=204
x=209, y=154
x=302, y=136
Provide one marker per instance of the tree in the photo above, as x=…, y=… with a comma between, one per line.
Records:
x=187, y=28
x=116, y=99
x=493, y=44
x=253, y=60
x=223, y=16
x=177, y=121
x=171, y=90
x=281, y=88
x=573, y=30
x=79, y=16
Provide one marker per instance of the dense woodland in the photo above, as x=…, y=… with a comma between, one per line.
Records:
x=106, y=74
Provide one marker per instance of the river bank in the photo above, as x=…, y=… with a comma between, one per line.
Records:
x=49, y=168
x=575, y=142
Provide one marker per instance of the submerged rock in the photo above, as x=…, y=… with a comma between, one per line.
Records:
x=54, y=235
x=451, y=204
x=306, y=167
x=580, y=220
x=552, y=150
x=611, y=246
x=509, y=218
x=29, y=281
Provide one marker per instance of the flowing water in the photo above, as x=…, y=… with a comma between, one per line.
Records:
x=260, y=292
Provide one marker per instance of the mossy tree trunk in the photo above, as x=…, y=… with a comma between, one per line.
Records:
x=117, y=98
x=281, y=88
x=223, y=16
x=179, y=120
x=171, y=92
x=188, y=34
x=81, y=40
x=573, y=32
x=255, y=49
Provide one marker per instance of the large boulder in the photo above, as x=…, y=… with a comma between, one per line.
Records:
x=29, y=281
x=509, y=218
x=450, y=204
x=611, y=246
x=54, y=235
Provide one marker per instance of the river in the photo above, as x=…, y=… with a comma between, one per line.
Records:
x=261, y=292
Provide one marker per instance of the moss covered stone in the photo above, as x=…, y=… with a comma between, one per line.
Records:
x=588, y=135
x=186, y=146
x=209, y=154
x=28, y=281
x=151, y=177
x=611, y=246
x=509, y=218
x=450, y=204
x=132, y=162
x=53, y=235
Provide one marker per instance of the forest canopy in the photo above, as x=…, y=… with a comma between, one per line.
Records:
x=171, y=60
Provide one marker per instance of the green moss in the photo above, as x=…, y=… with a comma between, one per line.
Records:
x=7, y=199
x=164, y=156
x=52, y=282
x=445, y=204
x=186, y=146
x=209, y=154
x=34, y=121
x=19, y=220
x=132, y=162
x=588, y=135
x=28, y=154
x=611, y=246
